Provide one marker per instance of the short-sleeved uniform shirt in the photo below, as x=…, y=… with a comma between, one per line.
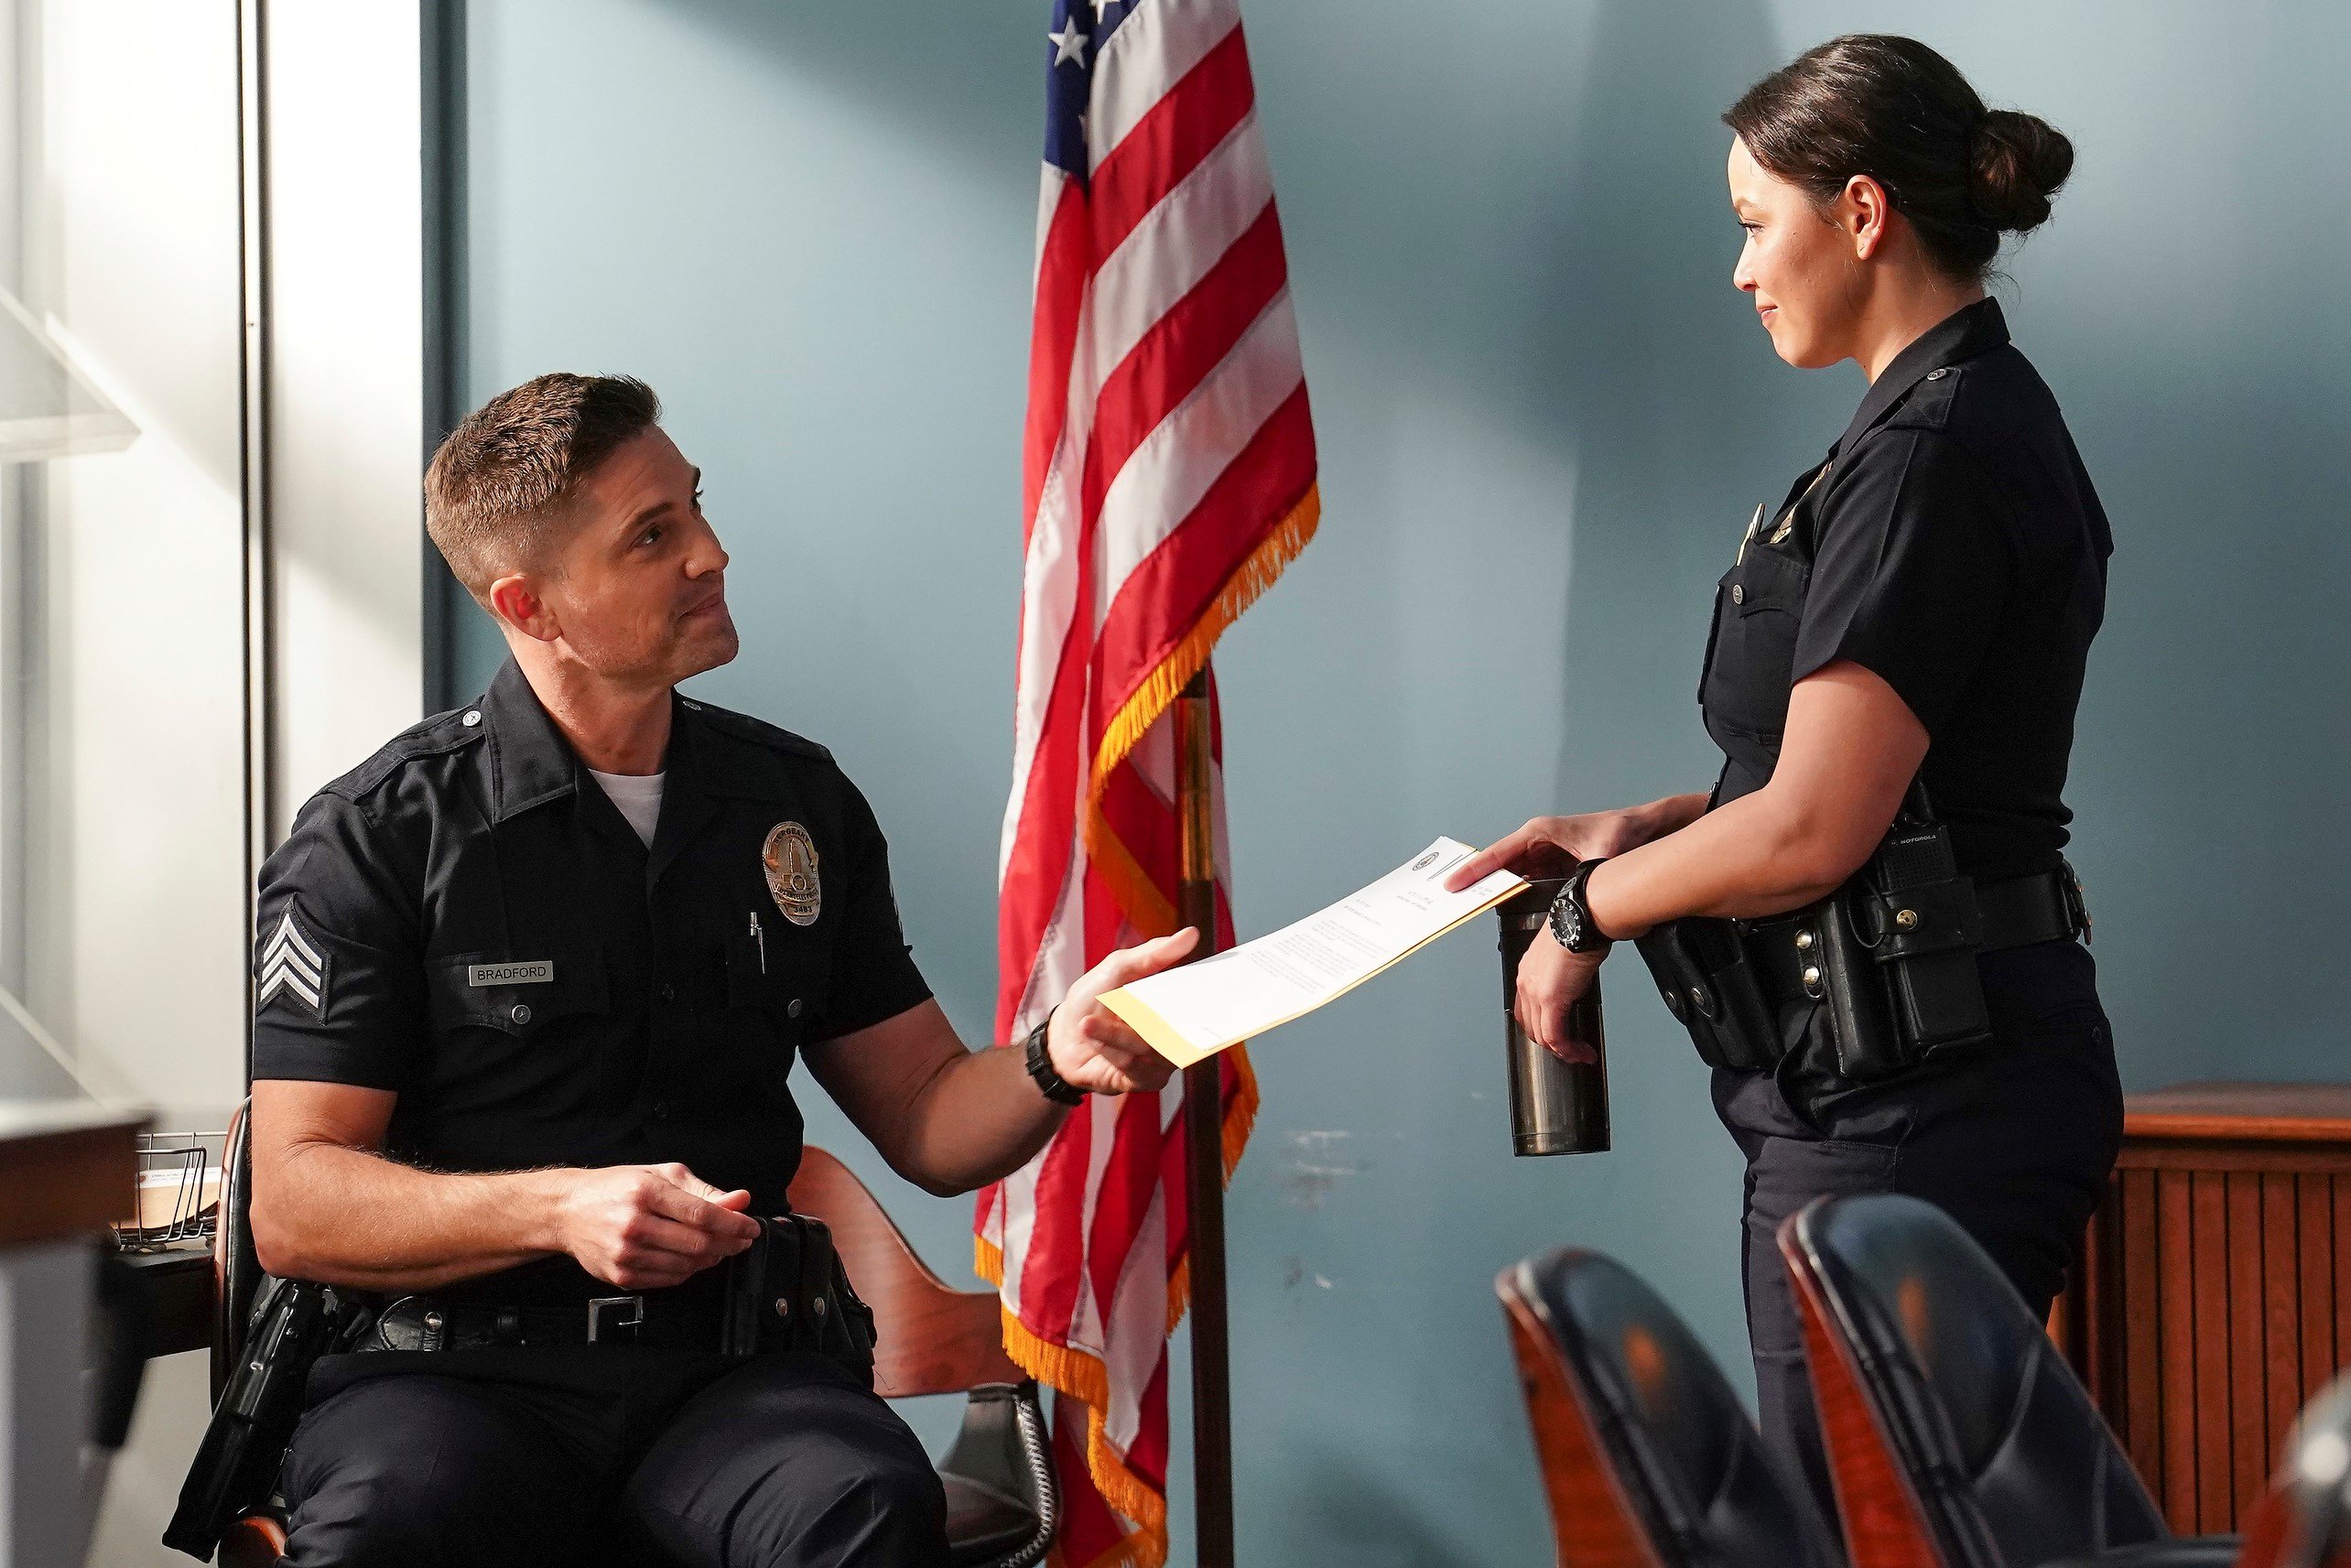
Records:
x=1953, y=544
x=468, y=921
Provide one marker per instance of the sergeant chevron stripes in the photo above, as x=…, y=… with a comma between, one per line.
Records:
x=290, y=964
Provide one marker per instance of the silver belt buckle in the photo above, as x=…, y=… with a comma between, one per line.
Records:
x=601, y=1305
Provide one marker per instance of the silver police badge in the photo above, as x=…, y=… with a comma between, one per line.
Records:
x=789, y=858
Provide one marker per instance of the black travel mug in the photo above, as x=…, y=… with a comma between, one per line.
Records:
x=1556, y=1108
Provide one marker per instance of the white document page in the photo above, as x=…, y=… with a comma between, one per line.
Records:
x=1194, y=1011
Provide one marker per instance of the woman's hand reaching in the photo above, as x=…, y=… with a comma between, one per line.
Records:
x=1553, y=846
x=1551, y=979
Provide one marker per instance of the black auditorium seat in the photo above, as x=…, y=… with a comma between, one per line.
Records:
x=1648, y=1457
x=1957, y=1436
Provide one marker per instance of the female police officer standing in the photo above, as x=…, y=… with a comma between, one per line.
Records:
x=1892, y=674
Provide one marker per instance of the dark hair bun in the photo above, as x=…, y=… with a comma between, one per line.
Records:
x=2018, y=161
x=1893, y=109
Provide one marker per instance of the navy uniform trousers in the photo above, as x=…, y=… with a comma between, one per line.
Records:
x=2013, y=1140
x=604, y=1457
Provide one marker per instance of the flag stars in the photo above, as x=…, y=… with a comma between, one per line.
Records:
x=1069, y=44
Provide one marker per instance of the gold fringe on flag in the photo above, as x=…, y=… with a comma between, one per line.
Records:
x=1136, y=894
x=1076, y=1372
x=1082, y=1376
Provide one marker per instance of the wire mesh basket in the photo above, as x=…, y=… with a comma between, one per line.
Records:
x=176, y=1195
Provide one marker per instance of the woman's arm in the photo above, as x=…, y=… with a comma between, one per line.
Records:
x=1851, y=749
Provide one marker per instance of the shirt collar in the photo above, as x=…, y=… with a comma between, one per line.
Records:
x=530, y=761
x=1963, y=334
x=531, y=764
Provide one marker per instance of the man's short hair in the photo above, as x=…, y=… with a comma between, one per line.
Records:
x=503, y=476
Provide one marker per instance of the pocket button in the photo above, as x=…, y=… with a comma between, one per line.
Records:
x=793, y=1009
x=522, y=1013
x=1738, y=593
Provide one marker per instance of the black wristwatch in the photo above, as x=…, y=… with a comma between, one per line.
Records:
x=1572, y=926
x=1050, y=1084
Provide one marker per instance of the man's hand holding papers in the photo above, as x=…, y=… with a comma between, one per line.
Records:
x=1089, y=1047
x=1193, y=1012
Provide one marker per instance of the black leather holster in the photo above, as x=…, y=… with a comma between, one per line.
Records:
x=1889, y=959
x=294, y=1322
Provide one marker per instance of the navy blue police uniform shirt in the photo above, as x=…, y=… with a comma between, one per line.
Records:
x=1952, y=544
x=468, y=921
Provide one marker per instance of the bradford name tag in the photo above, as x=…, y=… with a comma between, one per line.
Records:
x=530, y=972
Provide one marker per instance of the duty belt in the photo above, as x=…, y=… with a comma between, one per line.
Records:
x=429, y=1322
x=2015, y=912
x=785, y=1292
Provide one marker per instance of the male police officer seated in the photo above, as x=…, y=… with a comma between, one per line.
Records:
x=532, y=981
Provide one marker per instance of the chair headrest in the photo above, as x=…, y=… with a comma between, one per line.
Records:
x=1669, y=1417
x=1997, y=1434
x=1909, y=1282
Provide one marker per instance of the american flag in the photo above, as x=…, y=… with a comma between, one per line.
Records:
x=1168, y=478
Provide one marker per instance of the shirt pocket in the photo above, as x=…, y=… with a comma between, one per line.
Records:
x=1757, y=609
x=521, y=1000
x=778, y=980
x=781, y=970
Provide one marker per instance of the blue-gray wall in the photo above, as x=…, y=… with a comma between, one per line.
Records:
x=1545, y=414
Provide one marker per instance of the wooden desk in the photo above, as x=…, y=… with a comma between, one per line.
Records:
x=64, y=1164
x=2215, y=1295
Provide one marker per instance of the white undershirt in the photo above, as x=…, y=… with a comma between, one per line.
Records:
x=638, y=797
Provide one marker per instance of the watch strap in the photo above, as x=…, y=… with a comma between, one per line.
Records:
x=1049, y=1083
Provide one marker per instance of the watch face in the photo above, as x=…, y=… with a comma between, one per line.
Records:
x=1567, y=922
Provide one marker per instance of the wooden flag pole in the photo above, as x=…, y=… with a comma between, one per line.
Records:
x=1204, y=1145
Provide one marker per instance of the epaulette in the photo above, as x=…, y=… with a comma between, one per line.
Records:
x=440, y=734
x=758, y=731
x=1927, y=404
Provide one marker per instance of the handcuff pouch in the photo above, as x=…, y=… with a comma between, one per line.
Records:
x=1701, y=971
x=788, y=1291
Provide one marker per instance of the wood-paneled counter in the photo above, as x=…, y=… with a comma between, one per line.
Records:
x=2216, y=1293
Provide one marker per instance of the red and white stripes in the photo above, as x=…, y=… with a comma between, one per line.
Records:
x=1169, y=477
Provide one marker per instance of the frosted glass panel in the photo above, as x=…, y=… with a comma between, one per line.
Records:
x=48, y=409
x=122, y=750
